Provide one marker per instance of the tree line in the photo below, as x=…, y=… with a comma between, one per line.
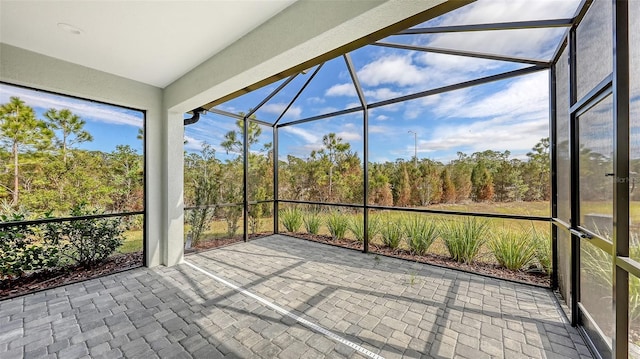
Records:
x=44, y=171
x=334, y=174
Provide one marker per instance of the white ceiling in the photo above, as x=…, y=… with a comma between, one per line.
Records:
x=154, y=42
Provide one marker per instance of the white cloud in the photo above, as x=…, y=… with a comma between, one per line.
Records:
x=393, y=69
x=484, y=135
x=529, y=43
x=380, y=129
x=382, y=118
x=193, y=144
x=524, y=97
x=306, y=136
x=315, y=100
x=345, y=89
x=323, y=110
x=277, y=108
x=85, y=109
x=348, y=136
x=489, y=11
x=383, y=93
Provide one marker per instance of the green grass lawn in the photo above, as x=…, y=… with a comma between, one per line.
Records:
x=132, y=242
x=218, y=228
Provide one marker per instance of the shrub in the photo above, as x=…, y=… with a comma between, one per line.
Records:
x=513, y=250
x=464, y=239
x=311, y=222
x=231, y=215
x=21, y=251
x=337, y=224
x=420, y=234
x=391, y=232
x=199, y=220
x=356, y=226
x=291, y=219
x=87, y=241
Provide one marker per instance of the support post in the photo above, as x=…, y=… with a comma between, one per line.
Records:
x=575, y=182
x=365, y=156
x=245, y=178
x=276, y=185
x=553, y=125
x=622, y=179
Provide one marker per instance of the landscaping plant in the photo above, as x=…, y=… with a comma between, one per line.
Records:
x=391, y=232
x=291, y=219
x=464, y=238
x=86, y=242
x=311, y=222
x=542, y=244
x=514, y=250
x=420, y=233
x=337, y=224
x=21, y=251
x=356, y=226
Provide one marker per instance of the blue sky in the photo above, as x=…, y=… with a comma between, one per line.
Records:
x=109, y=125
x=509, y=115
x=505, y=115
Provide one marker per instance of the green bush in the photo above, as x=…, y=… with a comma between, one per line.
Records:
x=420, y=233
x=199, y=220
x=337, y=224
x=291, y=219
x=356, y=226
x=231, y=216
x=464, y=239
x=311, y=222
x=87, y=242
x=514, y=250
x=21, y=251
x=391, y=232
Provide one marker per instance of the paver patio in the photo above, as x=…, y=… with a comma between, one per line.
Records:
x=301, y=300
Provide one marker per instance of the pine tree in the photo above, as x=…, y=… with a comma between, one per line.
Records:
x=448, y=189
x=482, y=182
x=21, y=130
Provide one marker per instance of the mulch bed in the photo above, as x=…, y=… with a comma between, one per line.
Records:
x=492, y=270
x=46, y=279
x=222, y=242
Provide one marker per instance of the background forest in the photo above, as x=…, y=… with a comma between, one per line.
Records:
x=45, y=171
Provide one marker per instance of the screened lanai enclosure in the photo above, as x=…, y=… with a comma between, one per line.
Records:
x=505, y=143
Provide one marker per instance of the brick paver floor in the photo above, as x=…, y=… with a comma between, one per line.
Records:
x=292, y=299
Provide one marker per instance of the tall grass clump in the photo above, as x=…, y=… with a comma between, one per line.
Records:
x=337, y=224
x=356, y=226
x=291, y=219
x=311, y=222
x=420, y=234
x=597, y=265
x=514, y=250
x=464, y=239
x=391, y=232
x=542, y=244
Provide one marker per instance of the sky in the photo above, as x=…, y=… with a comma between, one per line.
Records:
x=109, y=125
x=510, y=114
